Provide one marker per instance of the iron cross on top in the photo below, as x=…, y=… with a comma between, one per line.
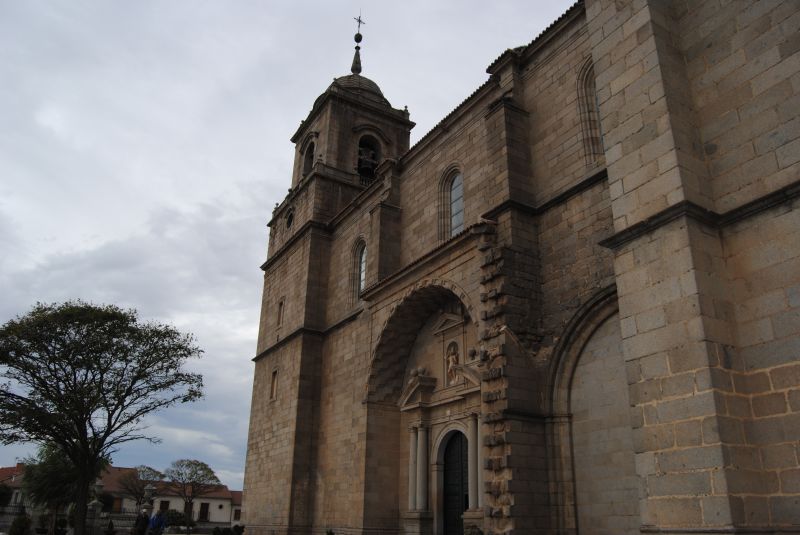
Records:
x=360, y=21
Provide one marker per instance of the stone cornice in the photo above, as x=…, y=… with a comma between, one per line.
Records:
x=286, y=339
x=297, y=236
x=465, y=235
x=587, y=182
x=703, y=215
x=352, y=315
x=320, y=171
x=333, y=94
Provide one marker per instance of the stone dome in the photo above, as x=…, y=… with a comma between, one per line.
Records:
x=361, y=86
x=358, y=83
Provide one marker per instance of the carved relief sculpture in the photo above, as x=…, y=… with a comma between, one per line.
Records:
x=451, y=362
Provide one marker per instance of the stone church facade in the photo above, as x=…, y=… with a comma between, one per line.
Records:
x=572, y=307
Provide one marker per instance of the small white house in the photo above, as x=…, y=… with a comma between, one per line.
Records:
x=221, y=507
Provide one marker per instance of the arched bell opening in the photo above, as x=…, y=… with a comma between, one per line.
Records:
x=369, y=156
x=308, y=159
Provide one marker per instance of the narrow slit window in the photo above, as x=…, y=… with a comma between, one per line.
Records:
x=273, y=385
x=589, y=112
x=456, y=205
x=280, y=312
x=362, y=268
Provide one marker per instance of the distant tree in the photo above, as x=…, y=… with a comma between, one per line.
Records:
x=82, y=377
x=51, y=481
x=191, y=479
x=134, y=482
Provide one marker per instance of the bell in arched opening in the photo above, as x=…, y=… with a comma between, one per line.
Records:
x=368, y=158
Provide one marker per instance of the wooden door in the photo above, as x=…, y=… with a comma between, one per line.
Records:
x=456, y=490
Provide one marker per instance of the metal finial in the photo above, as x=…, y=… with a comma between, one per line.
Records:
x=356, y=67
x=360, y=21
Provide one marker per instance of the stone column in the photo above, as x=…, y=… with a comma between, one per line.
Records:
x=472, y=460
x=412, y=469
x=422, y=468
x=479, y=445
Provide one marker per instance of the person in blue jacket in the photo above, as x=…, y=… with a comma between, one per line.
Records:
x=158, y=522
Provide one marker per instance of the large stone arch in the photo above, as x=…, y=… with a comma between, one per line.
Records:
x=593, y=313
x=398, y=333
x=386, y=461
x=589, y=347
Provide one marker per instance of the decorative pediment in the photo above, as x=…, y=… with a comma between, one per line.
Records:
x=418, y=389
x=447, y=321
x=472, y=376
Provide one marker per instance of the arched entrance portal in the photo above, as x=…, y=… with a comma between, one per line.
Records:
x=423, y=389
x=456, y=490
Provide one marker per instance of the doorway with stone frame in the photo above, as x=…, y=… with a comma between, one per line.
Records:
x=423, y=394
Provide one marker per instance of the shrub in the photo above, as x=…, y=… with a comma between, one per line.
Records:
x=5, y=494
x=61, y=526
x=177, y=518
x=20, y=526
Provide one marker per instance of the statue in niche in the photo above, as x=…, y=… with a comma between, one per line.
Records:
x=451, y=362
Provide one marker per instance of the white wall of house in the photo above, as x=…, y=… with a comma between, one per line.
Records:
x=219, y=509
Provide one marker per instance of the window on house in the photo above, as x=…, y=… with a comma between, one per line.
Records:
x=273, y=385
x=164, y=505
x=308, y=159
x=237, y=514
x=588, y=110
x=203, y=512
x=369, y=155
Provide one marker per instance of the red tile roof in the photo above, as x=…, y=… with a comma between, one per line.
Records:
x=12, y=475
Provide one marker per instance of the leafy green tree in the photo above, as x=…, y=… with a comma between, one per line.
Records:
x=51, y=481
x=134, y=482
x=82, y=377
x=191, y=479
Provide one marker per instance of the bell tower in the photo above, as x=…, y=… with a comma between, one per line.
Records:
x=351, y=128
x=339, y=147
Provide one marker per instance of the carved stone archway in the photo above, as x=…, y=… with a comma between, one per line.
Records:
x=398, y=333
x=420, y=309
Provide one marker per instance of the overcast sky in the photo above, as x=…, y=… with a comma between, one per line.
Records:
x=144, y=143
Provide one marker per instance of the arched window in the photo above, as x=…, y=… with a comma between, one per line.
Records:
x=451, y=204
x=308, y=159
x=588, y=111
x=359, y=269
x=369, y=155
x=456, y=205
